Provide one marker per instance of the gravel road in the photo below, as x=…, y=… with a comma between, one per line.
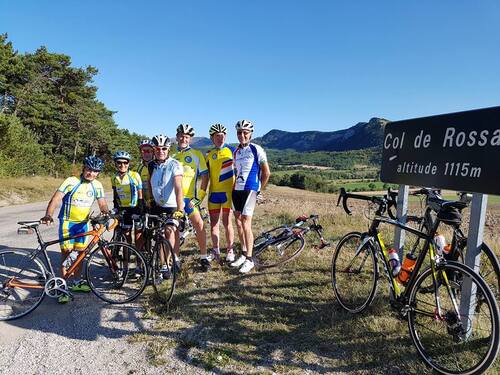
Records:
x=85, y=336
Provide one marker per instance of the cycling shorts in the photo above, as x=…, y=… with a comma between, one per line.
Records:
x=127, y=215
x=71, y=228
x=189, y=210
x=219, y=201
x=244, y=201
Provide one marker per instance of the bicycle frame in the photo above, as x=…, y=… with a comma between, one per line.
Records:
x=96, y=234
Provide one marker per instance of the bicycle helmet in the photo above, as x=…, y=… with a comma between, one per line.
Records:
x=185, y=129
x=244, y=125
x=122, y=155
x=144, y=143
x=94, y=163
x=217, y=128
x=160, y=141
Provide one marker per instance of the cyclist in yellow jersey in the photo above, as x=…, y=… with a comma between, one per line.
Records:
x=77, y=194
x=127, y=190
x=220, y=164
x=194, y=167
x=147, y=153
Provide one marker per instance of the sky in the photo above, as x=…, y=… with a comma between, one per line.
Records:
x=289, y=65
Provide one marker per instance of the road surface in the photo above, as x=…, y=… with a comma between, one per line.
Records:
x=85, y=336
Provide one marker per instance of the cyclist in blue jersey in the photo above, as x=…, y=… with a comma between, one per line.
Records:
x=252, y=174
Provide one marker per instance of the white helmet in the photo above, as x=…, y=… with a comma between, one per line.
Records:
x=160, y=141
x=185, y=129
x=217, y=128
x=244, y=125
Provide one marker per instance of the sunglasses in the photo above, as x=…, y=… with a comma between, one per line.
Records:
x=243, y=132
x=147, y=151
x=161, y=148
x=121, y=162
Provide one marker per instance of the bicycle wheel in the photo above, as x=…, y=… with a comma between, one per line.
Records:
x=274, y=253
x=452, y=334
x=163, y=280
x=116, y=272
x=489, y=269
x=22, y=283
x=354, y=273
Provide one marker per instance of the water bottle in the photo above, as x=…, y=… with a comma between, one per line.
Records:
x=407, y=268
x=394, y=262
x=70, y=259
x=440, y=242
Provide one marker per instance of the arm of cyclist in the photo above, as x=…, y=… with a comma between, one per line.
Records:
x=179, y=195
x=103, y=206
x=200, y=195
x=53, y=203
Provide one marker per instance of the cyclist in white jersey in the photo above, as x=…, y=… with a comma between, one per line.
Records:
x=252, y=174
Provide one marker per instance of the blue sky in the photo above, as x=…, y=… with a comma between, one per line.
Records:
x=290, y=65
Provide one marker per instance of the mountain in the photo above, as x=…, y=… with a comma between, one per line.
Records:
x=360, y=136
x=200, y=142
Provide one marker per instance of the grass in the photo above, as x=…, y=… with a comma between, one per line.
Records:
x=20, y=190
x=283, y=320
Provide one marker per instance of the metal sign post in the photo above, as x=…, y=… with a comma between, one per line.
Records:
x=402, y=210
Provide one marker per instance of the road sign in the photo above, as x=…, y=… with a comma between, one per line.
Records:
x=457, y=151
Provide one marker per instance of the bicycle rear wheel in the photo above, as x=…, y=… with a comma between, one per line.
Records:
x=354, y=273
x=489, y=269
x=452, y=334
x=22, y=283
x=117, y=272
x=163, y=279
x=273, y=254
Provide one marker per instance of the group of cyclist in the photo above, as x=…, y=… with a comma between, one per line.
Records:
x=172, y=180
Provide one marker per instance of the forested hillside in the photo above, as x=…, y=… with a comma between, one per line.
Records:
x=50, y=117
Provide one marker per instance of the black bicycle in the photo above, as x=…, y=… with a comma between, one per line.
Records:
x=452, y=315
x=284, y=243
x=431, y=201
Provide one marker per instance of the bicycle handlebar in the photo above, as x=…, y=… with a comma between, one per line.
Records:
x=381, y=201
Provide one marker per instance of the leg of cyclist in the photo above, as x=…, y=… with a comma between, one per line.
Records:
x=66, y=229
x=214, y=230
x=201, y=237
x=244, y=205
x=227, y=217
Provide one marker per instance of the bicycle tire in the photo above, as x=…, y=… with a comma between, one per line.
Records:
x=489, y=269
x=441, y=339
x=164, y=287
x=16, y=302
x=117, y=272
x=354, y=288
x=273, y=254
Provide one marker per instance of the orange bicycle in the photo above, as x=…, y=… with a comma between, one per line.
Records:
x=113, y=270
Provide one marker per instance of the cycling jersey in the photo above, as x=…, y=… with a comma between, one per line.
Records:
x=162, y=181
x=126, y=188
x=79, y=195
x=194, y=165
x=144, y=173
x=247, y=162
x=220, y=165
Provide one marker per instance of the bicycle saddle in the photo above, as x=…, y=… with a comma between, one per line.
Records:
x=30, y=223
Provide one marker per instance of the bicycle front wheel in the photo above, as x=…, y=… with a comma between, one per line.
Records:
x=117, y=272
x=22, y=283
x=454, y=334
x=280, y=252
x=354, y=273
x=163, y=271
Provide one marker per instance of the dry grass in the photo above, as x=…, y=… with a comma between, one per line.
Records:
x=283, y=320
x=20, y=190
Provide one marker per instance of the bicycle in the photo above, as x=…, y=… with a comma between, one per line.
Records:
x=26, y=276
x=155, y=247
x=489, y=266
x=284, y=243
x=454, y=331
